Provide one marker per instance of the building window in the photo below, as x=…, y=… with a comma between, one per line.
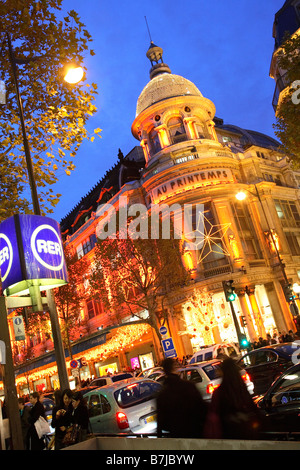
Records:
x=94, y=308
x=200, y=130
x=287, y=212
x=293, y=242
x=212, y=253
x=246, y=231
x=86, y=246
x=154, y=142
x=176, y=130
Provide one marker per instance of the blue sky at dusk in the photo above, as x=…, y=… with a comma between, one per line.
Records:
x=223, y=47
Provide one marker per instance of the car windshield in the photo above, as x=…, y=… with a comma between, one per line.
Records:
x=213, y=371
x=136, y=393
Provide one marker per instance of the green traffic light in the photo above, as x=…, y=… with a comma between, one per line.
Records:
x=232, y=296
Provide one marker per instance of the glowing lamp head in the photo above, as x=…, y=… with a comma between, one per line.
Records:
x=73, y=74
x=241, y=196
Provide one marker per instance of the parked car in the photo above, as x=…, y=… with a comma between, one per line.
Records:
x=151, y=370
x=208, y=376
x=109, y=379
x=281, y=404
x=211, y=352
x=128, y=406
x=266, y=364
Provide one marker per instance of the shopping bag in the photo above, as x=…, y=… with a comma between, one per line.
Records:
x=42, y=427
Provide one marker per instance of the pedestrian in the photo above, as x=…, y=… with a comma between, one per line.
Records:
x=232, y=413
x=221, y=353
x=24, y=415
x=37, y=410
x=61, y=416
x=181, y=411
x=80, y=416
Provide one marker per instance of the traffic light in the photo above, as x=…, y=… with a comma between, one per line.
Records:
x=243, y=342
x=288, y=293
x=228, y=288
x=243, y=321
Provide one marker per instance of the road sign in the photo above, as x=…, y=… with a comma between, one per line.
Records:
x=168, y=347
x=19, y=328
x=74, y=364
x=163, y=330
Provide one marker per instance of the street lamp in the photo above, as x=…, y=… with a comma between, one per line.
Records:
x=73, y=74
x=240, y=196
x=57, y=339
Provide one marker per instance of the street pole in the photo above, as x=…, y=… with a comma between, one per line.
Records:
x=10, y=391
x=57, y=340
x=35, y=200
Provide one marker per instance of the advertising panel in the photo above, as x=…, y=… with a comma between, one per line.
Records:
x=31, y=249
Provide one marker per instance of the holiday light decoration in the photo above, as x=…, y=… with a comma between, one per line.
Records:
x=124, y=337
x=199, y=317
x=207, y=238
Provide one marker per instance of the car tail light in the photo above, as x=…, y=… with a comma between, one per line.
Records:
x=246, y=377
x=122, y=420
x=211, y=388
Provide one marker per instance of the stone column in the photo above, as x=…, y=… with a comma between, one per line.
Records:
x=256, y=312
x=246, y=313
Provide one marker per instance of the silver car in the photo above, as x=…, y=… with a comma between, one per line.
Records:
x=127, y=407
x=207, y=377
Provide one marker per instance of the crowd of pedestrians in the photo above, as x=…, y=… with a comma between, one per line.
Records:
x=70, y=420
x=231, y=414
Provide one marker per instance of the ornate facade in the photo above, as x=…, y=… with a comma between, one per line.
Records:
x=190, y=158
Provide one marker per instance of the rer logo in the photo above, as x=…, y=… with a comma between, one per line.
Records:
x=6, y=256
x=47, y=247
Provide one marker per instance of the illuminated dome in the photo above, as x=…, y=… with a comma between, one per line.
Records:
x=164, y=86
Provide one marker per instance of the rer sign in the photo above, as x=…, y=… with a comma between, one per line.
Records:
x=31, y=250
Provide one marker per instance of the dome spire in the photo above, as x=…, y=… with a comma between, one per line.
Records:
x=154, y=54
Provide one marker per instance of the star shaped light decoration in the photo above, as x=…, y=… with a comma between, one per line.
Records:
x=207, y=238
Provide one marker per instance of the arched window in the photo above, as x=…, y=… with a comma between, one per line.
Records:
x=200, y=130
x=154, y=143
x=176, y=130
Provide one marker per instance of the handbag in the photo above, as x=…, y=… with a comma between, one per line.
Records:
x=72, y=435
x=42, y=427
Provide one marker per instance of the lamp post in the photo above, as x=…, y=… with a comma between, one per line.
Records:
x=241, y=196
x=9, y=384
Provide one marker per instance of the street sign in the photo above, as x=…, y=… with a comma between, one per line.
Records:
x=74, y=364
x=168, y=347
x=19, y=329
x=31, y=248
x=163, y=330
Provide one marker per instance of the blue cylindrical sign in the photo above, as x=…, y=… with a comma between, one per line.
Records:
x=31, y=249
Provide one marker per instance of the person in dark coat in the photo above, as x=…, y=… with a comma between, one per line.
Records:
x=24, y=415
x=61, y=417
x=232, y=413
x=80, y=415
x=181, y=410
x=37, y=410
